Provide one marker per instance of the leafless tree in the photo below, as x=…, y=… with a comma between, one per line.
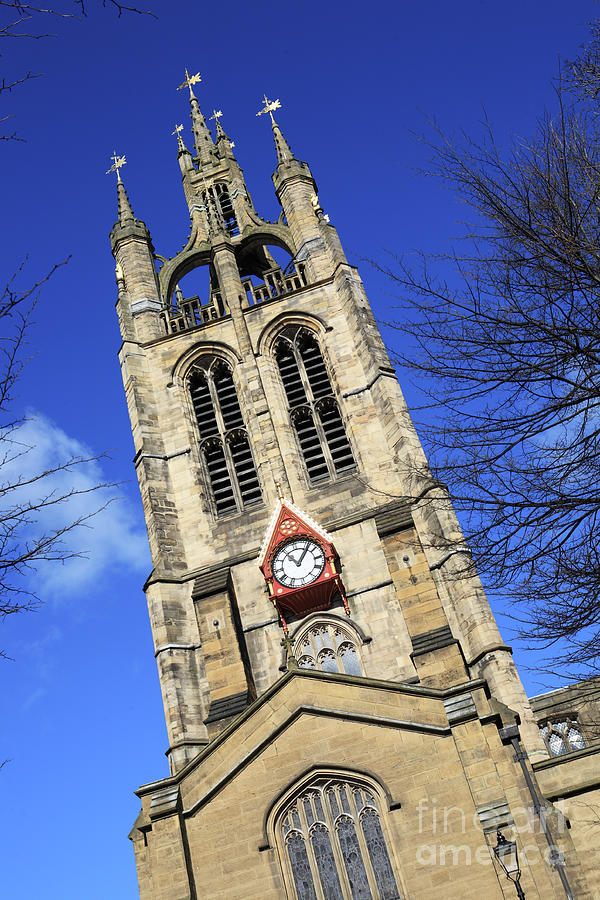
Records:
x=504, y=337
x=26, y=498
x=583, y=73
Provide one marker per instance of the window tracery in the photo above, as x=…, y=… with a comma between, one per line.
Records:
x=223, y=439
x=328, y=647
x=313, y=407
x=333, y=844
x=562, y=736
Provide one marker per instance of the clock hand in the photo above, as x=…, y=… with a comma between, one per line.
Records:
x=304, y=552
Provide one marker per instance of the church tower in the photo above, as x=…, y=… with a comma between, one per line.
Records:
x=332, y=676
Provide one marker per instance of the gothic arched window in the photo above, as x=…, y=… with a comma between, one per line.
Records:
x=219, y=195
x=329, y=647
x=313, y=406
x=562, y=737
x=223, y=440
x=332, y=843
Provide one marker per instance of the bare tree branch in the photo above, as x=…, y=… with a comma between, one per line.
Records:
x=27, y=21
x=26, y=499
x=503, y=340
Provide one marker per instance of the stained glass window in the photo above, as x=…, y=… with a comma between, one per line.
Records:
x=353, y=861
x=562, y=736
x=334, y=845
x=303, y=880
x=380, y=859
x=329, y=647
x=325, y=860
x=349, y=658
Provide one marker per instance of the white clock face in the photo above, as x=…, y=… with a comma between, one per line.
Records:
x=298, y=563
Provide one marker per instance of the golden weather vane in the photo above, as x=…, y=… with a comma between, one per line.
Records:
x=118, y=163
x=189, y=81
x=269, y=107
x=178, y=130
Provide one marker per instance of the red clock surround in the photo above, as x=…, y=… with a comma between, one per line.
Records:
x=287, y=524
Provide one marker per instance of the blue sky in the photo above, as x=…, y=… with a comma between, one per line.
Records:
x=80, y=702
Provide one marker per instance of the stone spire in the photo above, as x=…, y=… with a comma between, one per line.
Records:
x=123, y=205
x=125, y=212
x=284, y=153
x=220, y=131
x=183, y=154
x=181, y=148
x=203, y=142
x=223, y=144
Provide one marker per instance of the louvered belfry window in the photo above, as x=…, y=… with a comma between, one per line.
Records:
x=223, y=440
x=333, y=843
x=313, y=407
x=220, y=194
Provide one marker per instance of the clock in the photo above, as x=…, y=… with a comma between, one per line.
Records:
x=298, y=562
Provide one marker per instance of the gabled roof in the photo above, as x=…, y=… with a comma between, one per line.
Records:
x=285, y=508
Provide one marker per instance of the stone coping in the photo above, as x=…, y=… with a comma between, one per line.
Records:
x=566, y=757
x=377, y=684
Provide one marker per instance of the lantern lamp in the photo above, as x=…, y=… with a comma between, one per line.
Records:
x=506, y=853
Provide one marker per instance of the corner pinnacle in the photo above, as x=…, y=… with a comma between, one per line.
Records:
x=125, y=211
x=284, y=153
x=180, y=145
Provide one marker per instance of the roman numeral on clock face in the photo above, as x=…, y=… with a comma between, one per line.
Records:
x=299, y=562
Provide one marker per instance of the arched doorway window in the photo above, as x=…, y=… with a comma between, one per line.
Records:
x=332, y=842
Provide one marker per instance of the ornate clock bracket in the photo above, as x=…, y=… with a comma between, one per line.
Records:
x=299, y=562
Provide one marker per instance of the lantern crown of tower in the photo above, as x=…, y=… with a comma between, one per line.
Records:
x=248, y=258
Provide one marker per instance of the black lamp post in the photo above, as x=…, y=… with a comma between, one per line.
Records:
x=506, y=854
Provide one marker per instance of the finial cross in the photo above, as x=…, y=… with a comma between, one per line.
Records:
x=118, y=163
x=269, y=107
x=217, y=113
x=189, y=80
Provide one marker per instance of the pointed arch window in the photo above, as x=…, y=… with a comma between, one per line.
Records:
x=224, y=444
x=328, y=647
x=562, y=736
x=332, y=843
x=313, y=406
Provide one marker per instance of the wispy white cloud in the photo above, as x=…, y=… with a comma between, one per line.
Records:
x=41, y=655
x=112, y=540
